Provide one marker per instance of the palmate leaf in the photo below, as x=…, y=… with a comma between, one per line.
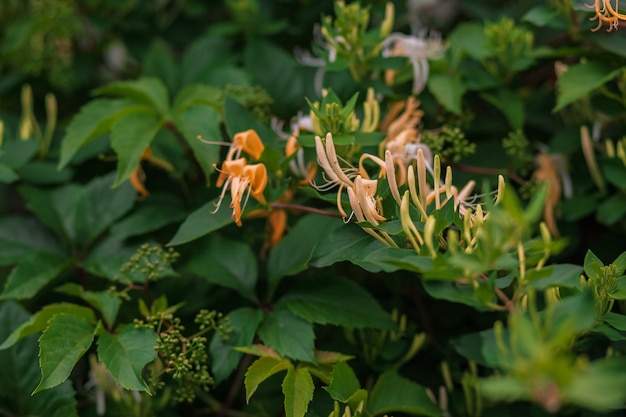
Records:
x=337, y=301
x=290, y=335
x=20, y=373
x=93, y=120
x=447, y=90
x=131, y=134
x=126, y=353
x=298, y=391
x=147, y=91
x=61, y=345
x=32, y=273
x=202, y=222
x=106, y=303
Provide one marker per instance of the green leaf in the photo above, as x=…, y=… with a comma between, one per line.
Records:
x=611, y=210
x=126, y=353
x=470, y=38
x=228, y=263
x=32, y=273
x=7, y=174
x=260, y=370
x=202, y=222
x=343, y=383
x=614, y=319
x=393, y=393
x=61, y=345
x=198, y=94
x=131, y=134
x=38, y=322
x=106, y=303
x=294, y=251
x=592, y=265
x=545, y=15
x=447, y=90
x=338, y=301
x=151, y=215
x=600, y=386
x=201, y=121
x=298, y=391
x=244, y=322
x=107, y=257
x=581, y=79
x=290, y=335
x=20, y=374
x=44, y=173
x=454, y=293
x=21, y=236
x=510, y=104
x=93, y=120
x=148, y=91
x=238, y=119
x=620, y=264
x=17, y=153
x=158, y=62
x=201, y=56
x=563, y=275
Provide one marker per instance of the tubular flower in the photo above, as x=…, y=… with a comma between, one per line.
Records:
x=242, y=180
x=418, y=49
x=138, y=176
x=605, y=13
x=248, y=142
x=547, y=172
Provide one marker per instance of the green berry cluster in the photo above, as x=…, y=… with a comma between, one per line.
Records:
x=517, y=147
x=254, y=98
x=185, y=358
x=149, y=263
x=449, y=142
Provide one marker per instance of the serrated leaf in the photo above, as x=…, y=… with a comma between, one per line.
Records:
x=199, y=94
x=152, y=214
x=581, y=79
x=202, y=222
x=393, y=393
x=20, y=373
x=244, y=322
x=294, y=251
x=38, y=322
x=21, y=236
x=131, y=134
x=201, y=121
x=447, y=90
x=106, y=303
x=337, y=301
x=147, y=90
x=260, y=370
x=228, y=263
x=343, y=383
x=290, y=335
x=126, y=353
x=93, y=120
x=298, y=391
x=61, y=345
x=158, y=62
x=32, y=273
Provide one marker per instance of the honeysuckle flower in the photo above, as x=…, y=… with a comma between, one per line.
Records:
x=605, y=13
x=248, y=142
x=418, y=48
x=138, y=176
x=304, y=57
x=242, y=180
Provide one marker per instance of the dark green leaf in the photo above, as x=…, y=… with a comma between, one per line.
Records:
x=45, y=173
x=470, y=38
x=580, y=80
x=447, y=90
x=293, y=252
x=563, y=275
x=545, y=15
x=339, y=301
x=455, y=293
x=126, y=353
x=600, y=386
x=202, y=222
x=228, y=263
x=204, y=122
x=510, y=104
x=159, y=62
x=393, y=393
x=343, y=383
x=38, y=322
x=238, y=119
x=298, y=391
x=611, y=210
x=131, y=134
x=32, y=273
x=198, y=94
x=614, y=319
x=93, y=120
x=146, y=90
x=151, y=215
x=7, y=175
x=290, y=335
x=106, y=303
x=592, y=265
x=107, y=257
x=17, y=153
x=61, y=345
x=201, y=56
x=20, y=374
x=244, y=322
x=21, y=236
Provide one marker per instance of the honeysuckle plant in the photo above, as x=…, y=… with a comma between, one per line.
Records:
x=429, y=221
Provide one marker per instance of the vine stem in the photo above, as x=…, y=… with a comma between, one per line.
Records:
x=234, y=389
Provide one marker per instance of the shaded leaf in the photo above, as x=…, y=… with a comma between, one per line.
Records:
x=447, y=90
x=61, y=345
x=393, y=393
x=32, y=273
x=151, y=215
x=126, y=353
x=510, y=104
x=343, y=383
x=581, y=79
x=290, y=335
x=21, y=236
x=147, y=90
x=562, y=275
x=106, y=303
x=202, y=222
x=158, y=62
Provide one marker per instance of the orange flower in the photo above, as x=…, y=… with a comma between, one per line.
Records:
x=242, y=180
x=138, y=176
x=605, y=13
x=248, y=142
